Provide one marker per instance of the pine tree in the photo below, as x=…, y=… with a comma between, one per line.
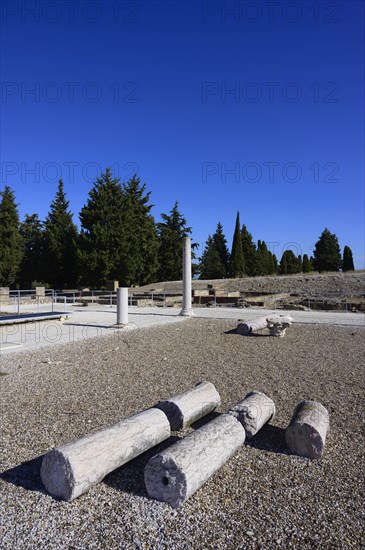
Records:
x=237, y=261
x=32, y=265
x=347, y=260
x=307, y=264
x=140, y=243
x=61, y=243
x=211, y=266
x=327, y=254
x=288, y=263
x=249, y=253
x=11, y=241
x=171, y=232
x=220, y=243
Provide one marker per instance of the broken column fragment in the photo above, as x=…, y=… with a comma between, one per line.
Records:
x=186, y=408
x=277, y=324
x=175, y=474
x=253, y=412
x=73, y=468
x=306, y=433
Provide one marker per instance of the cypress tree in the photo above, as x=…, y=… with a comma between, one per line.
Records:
x=288, y=263
x=300, y=264
x=347, y=260
x=101, y=238
x=249, y=253
x=32, y=266
x=211, y=266
x=327, y=254
x=140, y=243
x=264, y=264
x=61, y=243
x=237, y=261
x=307, y=264
x=171, y=232
x=11, y=241
x=220, y=243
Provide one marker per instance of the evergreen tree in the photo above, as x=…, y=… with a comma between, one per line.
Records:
x=171, y=232
x=211, y=266
x=327, y=254
x=307, y=264
x=32, y=265
x=237, y=261
x=288, y=263
x=347, y=260
x=264, y=264
x=275, y=264
x=60, y=243
x=249, y=253
x=220, y=243
x=300, y=264
x=101, y=238
x=140, y=243
x=11, y=241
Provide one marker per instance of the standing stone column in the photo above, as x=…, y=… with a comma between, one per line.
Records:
x=254, y=411
x=182, y=410
x=73, y=468
x=122, y=307
x=187, y=310
x=175, y=474
x=306, y=433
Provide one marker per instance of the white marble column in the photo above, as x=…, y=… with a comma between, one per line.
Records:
x=122, y=306
x=187, y=310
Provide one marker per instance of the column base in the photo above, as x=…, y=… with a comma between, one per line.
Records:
x=187, y=312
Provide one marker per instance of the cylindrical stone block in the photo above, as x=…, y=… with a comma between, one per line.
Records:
x=252, y=326
x=187, y=309
x=306, y=433
x=254, y=411
x=72, y=469
x=185, y=409
x=175, y=474
x=122, y=306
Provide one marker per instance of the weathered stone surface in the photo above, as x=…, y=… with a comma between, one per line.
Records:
x=253, y=412
x=182, y=410
x=187, y=310
x=306, y=433
x=277, y=324
x=175, y=474
x=72, y=469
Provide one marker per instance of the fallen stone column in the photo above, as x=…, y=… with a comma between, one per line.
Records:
x=253, y=412
x=306, y=433
x=73, y=468
x=247, y=328
x=277, y=325
x=185, y=409
x=175, y=474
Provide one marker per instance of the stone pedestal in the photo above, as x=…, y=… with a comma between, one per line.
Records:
x=306, y=433
x=72, y=469
x=182, y=410
x=253, y=412
x=175, y=474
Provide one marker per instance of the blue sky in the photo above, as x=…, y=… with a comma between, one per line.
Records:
x=224, y=106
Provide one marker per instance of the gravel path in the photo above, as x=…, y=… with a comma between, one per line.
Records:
x=262, y=498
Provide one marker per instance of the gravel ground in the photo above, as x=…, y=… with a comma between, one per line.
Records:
x=263, y=497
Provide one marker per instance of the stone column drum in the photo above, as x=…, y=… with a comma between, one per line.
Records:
x=253, y=412
x=306, y=433
x=175, y=474
x=72, y=469
x=187, y=310
x=185, y=409
x=252, y=326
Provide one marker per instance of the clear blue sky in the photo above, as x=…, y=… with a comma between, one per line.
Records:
x=223, y=106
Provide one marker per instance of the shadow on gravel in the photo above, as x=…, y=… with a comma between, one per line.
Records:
x=270, y=438
x=130, y=477
x=26, y=475
x=252, y=335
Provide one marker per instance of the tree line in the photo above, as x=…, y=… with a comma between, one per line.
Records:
x=119, y=239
